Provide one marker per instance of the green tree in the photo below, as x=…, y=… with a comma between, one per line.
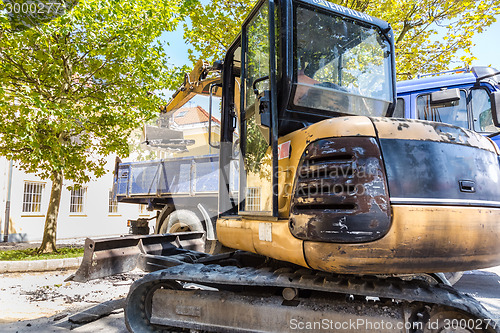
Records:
x=428, y=33
x=73, y=89
x=214, y=26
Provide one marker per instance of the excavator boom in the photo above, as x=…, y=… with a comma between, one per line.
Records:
x=195, y=83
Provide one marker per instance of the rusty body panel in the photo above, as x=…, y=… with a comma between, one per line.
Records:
x=419, y=130
x=299, y=140
x=358, y=126
x=408, y=234
x=421, y=239
x=341, y=192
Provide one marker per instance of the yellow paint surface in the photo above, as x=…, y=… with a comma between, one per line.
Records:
x=421, y=239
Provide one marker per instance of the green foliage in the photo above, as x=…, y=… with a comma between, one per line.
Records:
x=73, y=89
x=31, y=254
x=256, y=148
x=428, y=33
x=214, y=26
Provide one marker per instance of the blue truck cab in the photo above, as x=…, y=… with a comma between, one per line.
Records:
x=474, y=88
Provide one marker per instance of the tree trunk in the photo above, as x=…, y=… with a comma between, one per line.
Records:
x=50, y=229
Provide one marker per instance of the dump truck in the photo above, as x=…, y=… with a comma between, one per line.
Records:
x=182, y=190
x=357, y=210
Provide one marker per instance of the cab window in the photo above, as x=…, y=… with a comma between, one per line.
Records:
x=454, y=115
x=399, y=112
x=481, y=111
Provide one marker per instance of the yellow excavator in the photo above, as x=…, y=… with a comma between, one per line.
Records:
x=344, y=214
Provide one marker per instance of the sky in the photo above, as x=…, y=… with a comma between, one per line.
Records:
x=487, y=48
x=177, y=50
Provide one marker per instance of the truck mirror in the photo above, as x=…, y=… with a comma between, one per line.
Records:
x=445, y=98
x=264, y=105
x=217, y=65
x=236, y=149
x=495, y=108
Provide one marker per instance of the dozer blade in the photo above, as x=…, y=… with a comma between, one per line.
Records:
x=109, y=256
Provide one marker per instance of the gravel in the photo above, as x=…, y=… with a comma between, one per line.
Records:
x=45, y=294
x=43, y=302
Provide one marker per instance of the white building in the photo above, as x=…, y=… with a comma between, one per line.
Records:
x=87, y=212
x=90, y=211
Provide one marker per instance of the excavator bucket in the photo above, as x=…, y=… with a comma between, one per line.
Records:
x=109, y=256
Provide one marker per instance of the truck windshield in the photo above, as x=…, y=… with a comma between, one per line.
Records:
x=341, y=66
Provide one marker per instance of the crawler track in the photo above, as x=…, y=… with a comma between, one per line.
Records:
x=249, y=299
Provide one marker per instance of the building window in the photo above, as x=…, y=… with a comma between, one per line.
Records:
x=77, y=201
x=32, y=200
x=113, y=203
x=253, y=199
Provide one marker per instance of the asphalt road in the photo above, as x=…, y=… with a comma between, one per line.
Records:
x=484, y=285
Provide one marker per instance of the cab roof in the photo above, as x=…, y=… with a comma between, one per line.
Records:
x=448, y=80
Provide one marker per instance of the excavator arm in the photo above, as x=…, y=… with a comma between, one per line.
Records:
x=198, y=82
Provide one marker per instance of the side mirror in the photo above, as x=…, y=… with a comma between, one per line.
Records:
x=495, y=108
x=217, y=65
x=264, y=105
x=445, y=98
x=262, y=111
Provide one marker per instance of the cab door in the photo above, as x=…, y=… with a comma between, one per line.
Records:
x=258, y=126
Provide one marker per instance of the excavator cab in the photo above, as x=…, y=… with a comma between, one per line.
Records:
x=305, y=62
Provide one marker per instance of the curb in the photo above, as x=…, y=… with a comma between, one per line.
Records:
x=23, y=266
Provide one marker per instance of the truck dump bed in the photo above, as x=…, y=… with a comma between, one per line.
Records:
x=181, y=176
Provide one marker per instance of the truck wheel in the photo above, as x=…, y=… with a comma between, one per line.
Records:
x=185, y=220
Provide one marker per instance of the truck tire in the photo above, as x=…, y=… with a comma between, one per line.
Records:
x=185, y=220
